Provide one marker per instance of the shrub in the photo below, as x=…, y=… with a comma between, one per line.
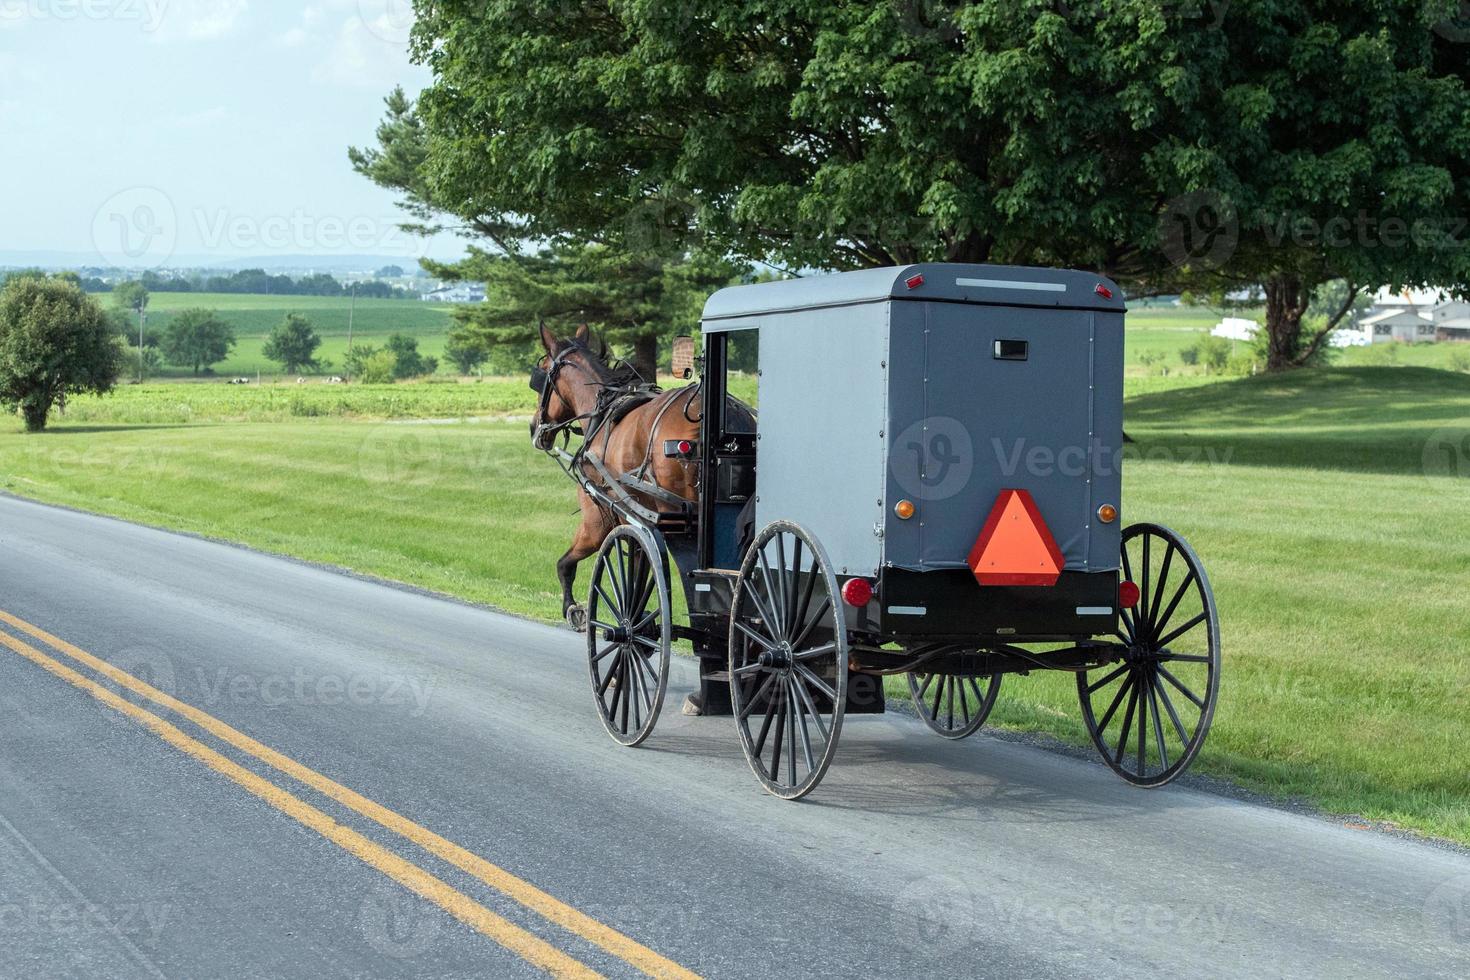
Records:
x=378, y=368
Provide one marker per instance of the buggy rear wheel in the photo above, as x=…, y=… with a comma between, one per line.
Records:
x=628, y=631
x=788, y=660
x=1169, y=675
x=953, y=705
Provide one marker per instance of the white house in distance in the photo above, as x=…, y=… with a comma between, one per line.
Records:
x=460, y=292
x=1410, y=316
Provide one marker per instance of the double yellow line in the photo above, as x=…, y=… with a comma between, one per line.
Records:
x=529, y=946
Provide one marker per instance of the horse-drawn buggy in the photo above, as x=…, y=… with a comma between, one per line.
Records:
x=933, y=490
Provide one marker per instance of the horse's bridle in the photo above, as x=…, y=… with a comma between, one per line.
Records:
x=543, y=381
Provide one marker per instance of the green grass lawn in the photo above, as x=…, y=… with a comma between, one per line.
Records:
x=1331, y=509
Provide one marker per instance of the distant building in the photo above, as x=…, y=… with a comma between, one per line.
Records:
x=1410, y=317
x=1235, y=328
x=460, y=292
x=1452, y=321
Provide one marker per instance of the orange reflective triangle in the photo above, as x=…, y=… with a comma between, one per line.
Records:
x=1015, y=547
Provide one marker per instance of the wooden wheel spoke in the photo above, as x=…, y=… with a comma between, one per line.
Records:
x=1159, y=589
x=811, y=624
x=1163, y=619
x=1164, y=672
x=1106, y=680
x=811, y=708
x=806, y=674
x=772, y=599
x=760, y=741
x=924, y=687
x=780, y=701
x=1191, y=624
x=1123, y=690
x=755, y=698
x=764, y=641
x=605, y=651
x=1173, y=715
x=815, y=652
x=1153, y=698
x=1127, y=726
x=606, y=600
x=1166, y=657
x=799, y=710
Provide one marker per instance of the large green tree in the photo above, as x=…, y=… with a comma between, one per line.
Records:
x=54, y=342
x=197, y=338
x=1164, y=144
x=292, y=343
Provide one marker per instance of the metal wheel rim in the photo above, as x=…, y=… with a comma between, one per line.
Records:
x=777, y=674
x=1148, y=682
x=953, y=705
x=628, y=640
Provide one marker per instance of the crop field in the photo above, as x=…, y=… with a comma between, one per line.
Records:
x=253, y=316
x=1331, y=508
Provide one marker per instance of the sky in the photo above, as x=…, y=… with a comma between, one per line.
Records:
x=150, y=133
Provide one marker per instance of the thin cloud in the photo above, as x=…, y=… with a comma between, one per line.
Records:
x=200, y=20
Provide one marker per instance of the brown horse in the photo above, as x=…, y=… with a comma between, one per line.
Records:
x=576, y=380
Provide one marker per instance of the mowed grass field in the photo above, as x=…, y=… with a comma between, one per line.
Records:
x=253, y=316
x=1331, y=509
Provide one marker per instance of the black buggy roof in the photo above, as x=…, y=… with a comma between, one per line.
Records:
x=991, y=285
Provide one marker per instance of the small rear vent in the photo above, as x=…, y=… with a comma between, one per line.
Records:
x=1010, y=350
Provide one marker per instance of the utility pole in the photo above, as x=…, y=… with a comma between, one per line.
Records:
x=142, y=318
x=351, y=309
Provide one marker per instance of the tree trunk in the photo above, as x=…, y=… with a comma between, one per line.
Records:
x=35, y=413
x=645, y=356
x=1286, y=304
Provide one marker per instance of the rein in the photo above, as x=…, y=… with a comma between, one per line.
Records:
x=599, y=420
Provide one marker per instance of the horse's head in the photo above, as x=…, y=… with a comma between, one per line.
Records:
x=566, y=376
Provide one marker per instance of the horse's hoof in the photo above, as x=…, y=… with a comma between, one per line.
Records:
x=693, y=706
x=577, y=618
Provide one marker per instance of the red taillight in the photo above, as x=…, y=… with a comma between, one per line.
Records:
x=857, y=592
x=914, y=282
x=1127, y=595
x=685, y=447
x=1103, y=291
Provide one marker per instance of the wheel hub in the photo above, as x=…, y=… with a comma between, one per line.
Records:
x=619, y=634
x=776, y=658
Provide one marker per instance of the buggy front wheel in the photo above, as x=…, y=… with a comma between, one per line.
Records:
x=1149, y=711
x=953, y=705
x=788, y=660
x=628, y=631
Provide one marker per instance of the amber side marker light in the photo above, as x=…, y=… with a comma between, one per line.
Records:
x=904, y=509
x=1107, y=513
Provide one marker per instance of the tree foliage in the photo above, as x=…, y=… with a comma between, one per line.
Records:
x=632, y=300
x=54, y=342
x=1179, y=145
x=197, y=338
x=292, y=343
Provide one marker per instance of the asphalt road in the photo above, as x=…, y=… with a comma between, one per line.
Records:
x=128, y=851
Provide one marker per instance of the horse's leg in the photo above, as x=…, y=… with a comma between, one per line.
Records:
x=595, y=527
